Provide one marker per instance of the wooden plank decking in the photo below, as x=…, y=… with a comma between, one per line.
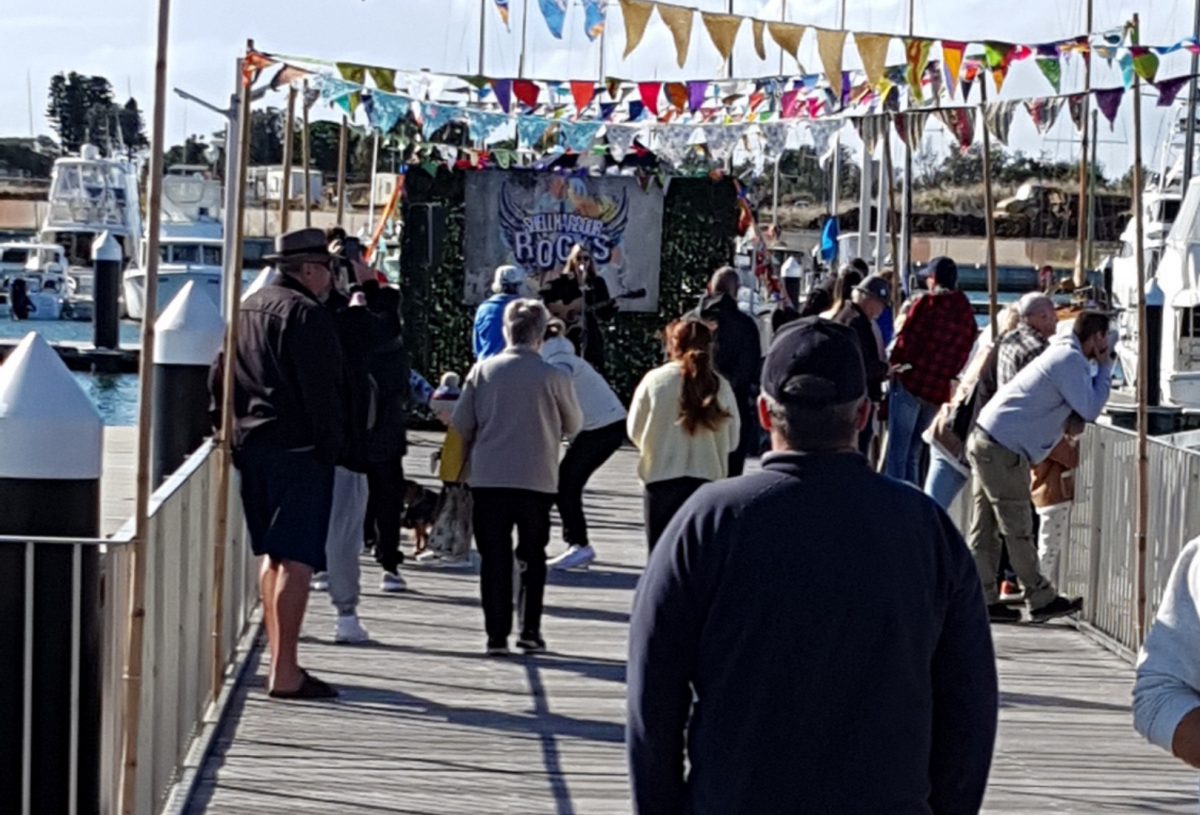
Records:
x=425, y=724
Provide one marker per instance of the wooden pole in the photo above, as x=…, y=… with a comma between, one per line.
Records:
x=1085, y=172
x=387, y=213
x=989, y=215
x=307, y=159
x=285, y=186
x=1189, y=144
x=1091, y=194
x=903, y=261
x=891, y=222
x=233, y=268
x=343, y=137
x=1143, y=382
x=132, y=679
x=374, y=169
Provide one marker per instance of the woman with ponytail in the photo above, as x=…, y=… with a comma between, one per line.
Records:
x=684, y=421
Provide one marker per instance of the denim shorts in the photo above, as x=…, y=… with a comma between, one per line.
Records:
x=287, y=497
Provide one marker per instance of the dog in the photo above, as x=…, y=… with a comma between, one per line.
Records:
x=420, y=510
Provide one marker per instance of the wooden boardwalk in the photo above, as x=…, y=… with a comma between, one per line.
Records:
x=427, y=725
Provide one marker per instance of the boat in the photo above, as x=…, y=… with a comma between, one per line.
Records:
x=43, y=268
x=190, y=245
x=90, y=195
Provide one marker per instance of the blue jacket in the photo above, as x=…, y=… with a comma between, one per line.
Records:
x=489, y=325
x=814, y=638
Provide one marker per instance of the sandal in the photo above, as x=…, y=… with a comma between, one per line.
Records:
x=310, y=688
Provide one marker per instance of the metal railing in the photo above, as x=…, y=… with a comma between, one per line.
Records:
x=1100, y=562
x=178, y=646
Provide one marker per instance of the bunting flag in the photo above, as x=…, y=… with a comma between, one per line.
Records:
x=1076, y=105
x=554, y=12
x=723, y=29
x=760, y=46
x=649, y=93
x=1044, y=113
x=636, y=14
x=620, y=140
x=970, y=73
x=636, y=110
x=384, y=78
x=583, y=93
x=998, y=119
x=252, y=65
x=872, y=50
x=789, y=104
x=787, y=36
x=503, y=90
x=1145, y=63
x=822, y=134
x=607, y=109
x=916, y=53
x=593, y=18
x=722, y=139
x=696, y=93
x=527, y=92
x=677, y=93
x=1127, y=74
x=435, y=117
x=999, y=58
x=1169, y=89
x=1109, y=102
x=679, y=21
x=952, y=58
x=482, y=124
x=830, y=45
x=531, y=130
x=386, y=110
x=775, y=137
x=1049, y=64
x=502, y=10
x=289, y=74
x=333, y=88
x=671, y=142
x=960, y=122
x=578, y=137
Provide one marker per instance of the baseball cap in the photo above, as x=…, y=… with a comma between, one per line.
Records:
x=814, y=363
x=877, y=287
x=507, y=277
x=942, y=269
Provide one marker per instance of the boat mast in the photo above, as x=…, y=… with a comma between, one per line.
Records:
x=1189, y=147
x=903, y=262
x=1084, y=170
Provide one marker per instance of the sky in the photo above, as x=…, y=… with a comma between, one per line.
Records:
x=43, y=37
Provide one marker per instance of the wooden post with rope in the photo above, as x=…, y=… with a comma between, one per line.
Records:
x=989, y=214
x=343, y=137
x=285, y=185
x=1143, y=382
x=306, y=157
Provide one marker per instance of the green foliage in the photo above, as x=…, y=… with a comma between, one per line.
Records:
x=699, y=222
x=81, y=109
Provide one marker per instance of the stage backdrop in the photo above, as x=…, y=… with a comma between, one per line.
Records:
x=533, y=219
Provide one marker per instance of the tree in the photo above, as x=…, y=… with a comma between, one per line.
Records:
x=80, y=109
x=192, y=151
x=266, y=136
x=133, y=128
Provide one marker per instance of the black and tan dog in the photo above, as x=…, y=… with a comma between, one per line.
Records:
x=420, y=510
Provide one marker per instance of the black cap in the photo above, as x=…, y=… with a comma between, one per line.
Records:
x=944, y=270
x=814, y=363
x=877, y=287
x=300, y=244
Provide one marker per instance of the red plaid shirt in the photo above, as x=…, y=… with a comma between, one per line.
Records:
x=936, y=341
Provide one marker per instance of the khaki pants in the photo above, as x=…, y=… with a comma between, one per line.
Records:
x=1001, y=497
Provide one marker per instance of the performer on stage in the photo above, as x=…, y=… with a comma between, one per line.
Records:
x=580, y=298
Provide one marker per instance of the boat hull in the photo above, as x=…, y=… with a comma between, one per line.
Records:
x=169, y=284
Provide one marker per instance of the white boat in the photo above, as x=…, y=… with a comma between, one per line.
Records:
x=90, y=194
x=1178, y=277
x=190, y=242
x=43, y=268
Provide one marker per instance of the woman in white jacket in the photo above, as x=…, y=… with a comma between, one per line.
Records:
x=602, y=435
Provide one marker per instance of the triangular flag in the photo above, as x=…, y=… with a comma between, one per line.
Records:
x=723, y=28
x=555, y=13
x=872, y=50
x=677, y=92
x=385, y=79
x=960, y=122
x=1109, y=102
x=998, y=118
x=252, y=66
x=1145, y=63
x=916, y=55
x=583, y=93
x=593, y=18
x=697, y=91
x=527, y=92
x=679, y=21
x=1168, y=89
x=1075, y=104
x=787, y=36
x=607, y=109
x=952, y=57
x=636, y=14
x=503, y=90
x=649, y=93
x=502, y=8
x=830, y=45
x=353, y=73
x=1049, y=64
x=636, y=109
x=999, y=57
x=789, y=104
x=287, y=75
x=1044, y=113
x=760, y=46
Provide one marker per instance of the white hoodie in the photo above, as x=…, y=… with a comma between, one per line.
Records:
x=600, y=405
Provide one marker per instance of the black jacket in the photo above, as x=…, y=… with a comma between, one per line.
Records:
x=876, y=366
x=737, y=355
x=813, y=638
x=288, y=378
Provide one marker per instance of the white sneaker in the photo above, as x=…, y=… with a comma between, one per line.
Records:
x=427, y=556
x=349, y=630
x=576, y=557
x=392, y=583
x=320, y=582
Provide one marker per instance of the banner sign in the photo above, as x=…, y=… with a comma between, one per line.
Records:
x=532, y=220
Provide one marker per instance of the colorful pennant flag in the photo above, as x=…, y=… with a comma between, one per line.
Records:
x=1168, y=90
x=1145, y=63
x=679, y=21
x=1077, y=105
x=386, y=110
x=760, y=46
x=1044, y=113
x=872, y=50
x=554, y=12
x=1109, y=102
x=531, y=130
x=697, y=91
x=435, y=117
x=649, y=91
x=503, y=90
x=636, y=14
x=999, y=58
x=577, y=137
x=384, y=78
x=789, y=104
x=252, y=65
x=482, y=124
x=593, y=18
x=723, y=29
x=916, y=54
x=333, y=88
x=607, y=109
x=527, y=92
x=830, y=45
x=583, y=93
x=952, y=58
x=1049, y=64
x=960, y=122
x=677, y=93
x=620, y=140
x=502, y=10
x=787, y=36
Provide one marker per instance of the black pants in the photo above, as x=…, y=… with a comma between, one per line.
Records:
x=747, y=436
x=587, y=453
x=662, y=500
x=867, y=434
x=385, y=504
x=495, y=513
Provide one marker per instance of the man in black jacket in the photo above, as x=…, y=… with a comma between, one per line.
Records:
x=289, y=432
x=736, y=356
x=843, y=664
x=867, y=302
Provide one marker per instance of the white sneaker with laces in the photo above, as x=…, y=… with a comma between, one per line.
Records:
x=319, y=582
x=349, y=630
x=576, y=557
x=392, y=583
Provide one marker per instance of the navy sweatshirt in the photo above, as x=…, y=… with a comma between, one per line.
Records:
x=814, y=637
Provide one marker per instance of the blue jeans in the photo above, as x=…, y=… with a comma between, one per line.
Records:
x=944, y=482
x=908, y=417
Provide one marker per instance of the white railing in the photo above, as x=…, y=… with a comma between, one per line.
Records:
x=176, y=684
x=1100, y=561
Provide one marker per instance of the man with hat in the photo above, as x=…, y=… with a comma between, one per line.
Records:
x=867, y=303
x=289, y=433
x=508, y=283
x=839, y=665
